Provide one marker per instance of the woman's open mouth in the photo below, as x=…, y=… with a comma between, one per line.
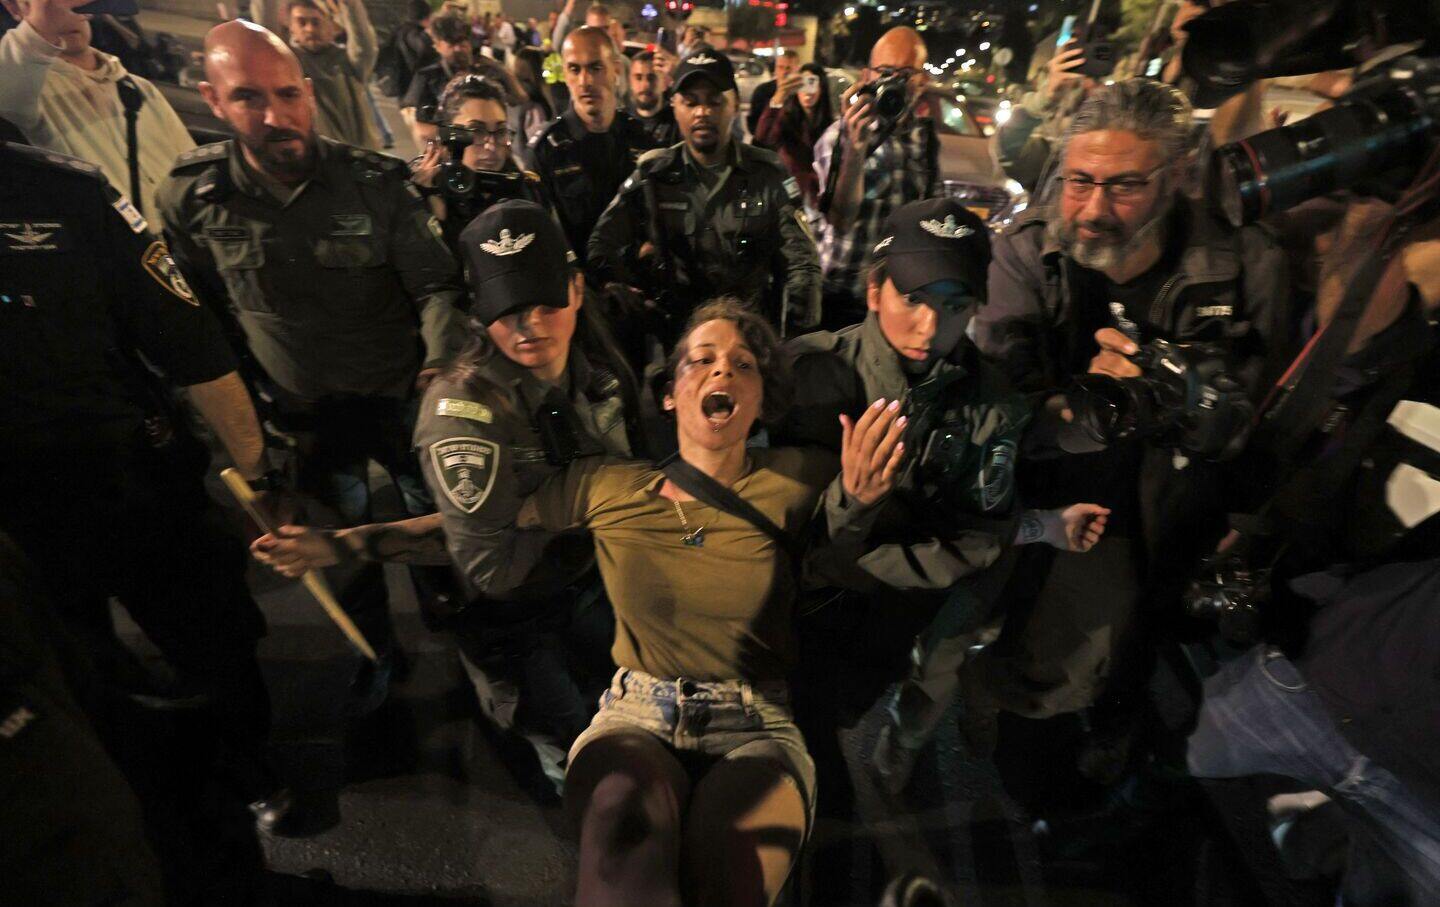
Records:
x=718, y=408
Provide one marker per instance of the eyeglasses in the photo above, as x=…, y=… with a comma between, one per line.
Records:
x=1118, y=189
x=501, y=136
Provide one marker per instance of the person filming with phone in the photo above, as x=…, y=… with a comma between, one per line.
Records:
x=796, y=117
x=66, y=96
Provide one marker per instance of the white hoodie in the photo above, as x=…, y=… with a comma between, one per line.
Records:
x=77, y=112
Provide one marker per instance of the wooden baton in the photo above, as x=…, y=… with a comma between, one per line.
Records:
x=313, y=581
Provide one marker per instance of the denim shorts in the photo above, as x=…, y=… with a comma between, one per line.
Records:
x=703, y=723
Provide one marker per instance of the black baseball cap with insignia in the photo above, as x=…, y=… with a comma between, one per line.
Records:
x=938, y=253
x=933, y=240
x=705, y=63
x=518, y=258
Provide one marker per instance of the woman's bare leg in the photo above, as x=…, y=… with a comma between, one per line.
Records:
x=743, y=833
x=627, y=794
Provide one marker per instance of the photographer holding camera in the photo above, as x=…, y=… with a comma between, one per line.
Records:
x=877, y=156
x=470, y=166
x=1337, y=569
x=1089, y=286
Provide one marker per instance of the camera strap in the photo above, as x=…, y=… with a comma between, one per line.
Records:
x=132, y=100
x=1308, y=385
x=708, y=491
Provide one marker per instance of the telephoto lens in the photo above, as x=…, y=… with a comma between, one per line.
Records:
x=1384, y=128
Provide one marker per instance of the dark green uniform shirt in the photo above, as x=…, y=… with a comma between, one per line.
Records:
x=737, y=229
x=346, y=288
x=487, y=443
x=83, y=286
x=953, y=507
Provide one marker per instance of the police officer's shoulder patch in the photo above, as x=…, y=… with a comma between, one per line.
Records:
x=464, y=409
x=465, y=468
x=162, y=269
x=997, y=477
x=204, y=154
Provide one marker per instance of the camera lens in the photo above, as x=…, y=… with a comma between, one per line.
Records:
x=890, y=101
x=1360, y=138
x=459, y=180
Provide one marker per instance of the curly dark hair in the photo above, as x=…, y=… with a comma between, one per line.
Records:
x=770, y=353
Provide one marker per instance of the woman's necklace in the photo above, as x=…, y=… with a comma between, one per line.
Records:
x=693, y=538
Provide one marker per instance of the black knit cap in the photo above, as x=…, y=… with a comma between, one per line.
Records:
x=518, y=258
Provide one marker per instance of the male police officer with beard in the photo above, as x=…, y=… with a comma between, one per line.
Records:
x=728, y=214
x=339, y=279
x=940, y=545
x=1122, y=260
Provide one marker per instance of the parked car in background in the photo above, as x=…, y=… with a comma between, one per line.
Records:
x=968, y=165
x=750, y=71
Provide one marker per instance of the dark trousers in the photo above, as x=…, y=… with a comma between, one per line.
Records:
x=335, y=441
x=134, y=525
x=543, y=675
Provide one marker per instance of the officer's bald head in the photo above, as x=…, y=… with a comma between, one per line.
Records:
x=591, y=73
x=589, y=40
x=255, y=83
x=899, y=48
x=238, y=45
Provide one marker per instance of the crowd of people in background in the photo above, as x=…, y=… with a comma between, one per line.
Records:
x=730, y=421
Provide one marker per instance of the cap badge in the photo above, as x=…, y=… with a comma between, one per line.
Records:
x=948, y=230
x=883, y=244
x=507, y=244
x=701, y=60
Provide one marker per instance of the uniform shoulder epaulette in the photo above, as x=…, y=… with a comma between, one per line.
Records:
x=204, y=154
x=813, y=343
x=555, y=135
x=762, y=155
x=657, y=157
x=375, y=160
x=52, y=160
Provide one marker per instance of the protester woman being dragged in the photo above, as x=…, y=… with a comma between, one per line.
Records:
x=475, y=122
x=795, y=119
x=692, y=783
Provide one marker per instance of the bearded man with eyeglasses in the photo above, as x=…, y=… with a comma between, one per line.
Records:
x=1121, y=259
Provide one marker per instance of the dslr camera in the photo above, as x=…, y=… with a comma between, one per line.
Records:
x=890, y=97
x=1184, y=397
x=1372, y=142
x=463, y=188
x=1232, y=594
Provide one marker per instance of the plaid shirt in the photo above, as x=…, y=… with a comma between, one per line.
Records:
x=903, y=168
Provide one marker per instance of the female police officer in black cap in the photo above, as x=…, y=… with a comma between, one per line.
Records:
x=536, y=386
x=954, y=514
